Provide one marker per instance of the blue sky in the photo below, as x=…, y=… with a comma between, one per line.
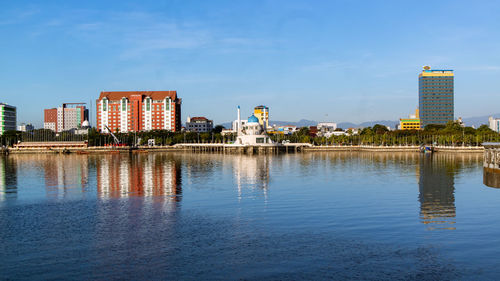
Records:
x=321, y=60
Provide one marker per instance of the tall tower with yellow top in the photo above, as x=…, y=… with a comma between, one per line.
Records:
x=436, y=96
x=262, y=113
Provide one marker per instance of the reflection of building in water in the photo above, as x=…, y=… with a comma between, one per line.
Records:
x=8, y=178
x=251, y=172
x=64, y=174
x=437, y=191
x=138, y=175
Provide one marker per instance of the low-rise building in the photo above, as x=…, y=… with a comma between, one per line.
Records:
x=410, y=123
x=494, y=124
x=313, y=131
x=326, y=128
x=285, y=130
x=8, y=118
x=199, y=124
x=25, y=127
x=352, y=131
x=226, y=132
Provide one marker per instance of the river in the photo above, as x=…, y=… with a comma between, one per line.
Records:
x=186, y=216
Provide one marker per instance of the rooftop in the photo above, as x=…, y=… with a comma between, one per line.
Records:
x=199, y=119
x=155, y=95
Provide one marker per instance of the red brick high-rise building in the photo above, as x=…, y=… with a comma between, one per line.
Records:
x=139, y=111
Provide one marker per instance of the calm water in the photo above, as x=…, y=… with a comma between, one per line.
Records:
x=202, y=216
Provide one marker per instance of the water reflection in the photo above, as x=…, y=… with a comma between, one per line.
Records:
x=8, y=178
x=491, y=177
x=138, y=175
x=251, y=172
x=437, y=191
x=64, y=175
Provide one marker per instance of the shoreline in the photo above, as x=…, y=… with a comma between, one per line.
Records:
x=146, y=149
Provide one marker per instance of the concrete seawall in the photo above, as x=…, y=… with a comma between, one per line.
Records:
x=472, y=149
x=211, y=148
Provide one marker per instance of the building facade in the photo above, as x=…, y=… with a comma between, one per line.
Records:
x=66, y=117
x=262, y=113
x=134, y=111
x=199, y=124
x=8, y=118
x=494, y=124
x=25, y=127
x=326, y=128
x=411, y=123
x=235, y=125
x=436, y=96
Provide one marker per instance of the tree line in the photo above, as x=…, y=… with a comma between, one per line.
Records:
x=451, y=134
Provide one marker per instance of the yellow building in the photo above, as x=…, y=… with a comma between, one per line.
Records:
x=259, y=113
x=410, y=123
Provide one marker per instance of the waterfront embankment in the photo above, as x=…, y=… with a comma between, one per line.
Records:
x=229, y=149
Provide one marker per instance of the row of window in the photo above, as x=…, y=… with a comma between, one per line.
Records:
x=130, y=108
x=436, y=107
x=442, y=98
x=434, y=115
x=435, y=90
x=435, y=83
x=435, y=79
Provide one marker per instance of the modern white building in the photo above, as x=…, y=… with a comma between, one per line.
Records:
x=494, y=124
x=235, y=125
x=326, y=128
x=199, y=124
x=8, y=118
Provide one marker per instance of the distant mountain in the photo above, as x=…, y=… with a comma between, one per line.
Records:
x=470, y=121
x=478, y=121
x=300, y=123
x=343, y=125
x=346, y=125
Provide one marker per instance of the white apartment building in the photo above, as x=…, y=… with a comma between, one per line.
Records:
x=494, y=124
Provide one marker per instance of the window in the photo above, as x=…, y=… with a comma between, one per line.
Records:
x=167, y=104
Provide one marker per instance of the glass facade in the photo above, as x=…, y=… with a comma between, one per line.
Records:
x=436, y=96
x=8, y=118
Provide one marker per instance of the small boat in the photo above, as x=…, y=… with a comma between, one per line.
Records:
x=427, y=149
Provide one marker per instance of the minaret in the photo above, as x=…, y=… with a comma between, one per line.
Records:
x=238, y=130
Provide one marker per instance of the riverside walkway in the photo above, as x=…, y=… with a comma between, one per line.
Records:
x=83, y=148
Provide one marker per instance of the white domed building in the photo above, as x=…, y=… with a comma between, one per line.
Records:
x=252, y=133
